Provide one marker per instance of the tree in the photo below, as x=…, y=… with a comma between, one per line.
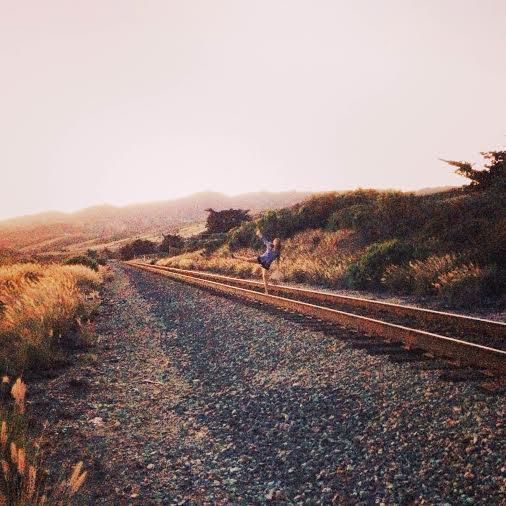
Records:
x=223, y=221
x=493, y=175
x=170, y=242
x=136, y=248
x=106, y=253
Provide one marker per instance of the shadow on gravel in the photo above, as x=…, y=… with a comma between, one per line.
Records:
x=287, y=414
x=286, y=438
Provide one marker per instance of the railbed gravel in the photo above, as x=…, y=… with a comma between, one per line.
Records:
x=250, y=408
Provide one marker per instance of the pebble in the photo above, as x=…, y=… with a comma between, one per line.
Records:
x=253, y=408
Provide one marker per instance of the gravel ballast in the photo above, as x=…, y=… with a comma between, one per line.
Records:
x=200, y=399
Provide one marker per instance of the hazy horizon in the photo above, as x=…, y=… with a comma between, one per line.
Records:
x=121, y=103
x=134, y=204
x=231, y=195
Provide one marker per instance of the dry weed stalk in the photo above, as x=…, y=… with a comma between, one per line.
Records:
x=77, y=478
x=19, y=393
x=32, y=478
x=21, y=461
x=5, y=470
x=23, y=481
x=3, y=435
x=14, y=453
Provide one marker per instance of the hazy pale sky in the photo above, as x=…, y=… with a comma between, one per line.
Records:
x=121, y=101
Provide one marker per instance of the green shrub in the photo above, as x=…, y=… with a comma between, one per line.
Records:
x=398, y=214
x=493, y=245
x=282, y=223
x=313, y=213
x=92, y=263
x=357, y=217
x=463, y=221
x=317, y=211
x=213, y=242
x=101, y=259
x=382, y=215
x=243, y=236
x=366, y=272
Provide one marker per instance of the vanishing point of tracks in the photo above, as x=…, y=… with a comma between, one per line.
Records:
x=468, y=341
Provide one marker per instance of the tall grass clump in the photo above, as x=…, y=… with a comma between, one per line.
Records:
x=24, y=481
x=420, y=276
x=316, y=257
x=40, y=307
x=465, y=285
x=453, y=280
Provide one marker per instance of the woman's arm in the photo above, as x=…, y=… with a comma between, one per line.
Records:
x=262, y=238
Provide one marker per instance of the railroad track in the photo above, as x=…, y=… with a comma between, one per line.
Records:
x=390, y=322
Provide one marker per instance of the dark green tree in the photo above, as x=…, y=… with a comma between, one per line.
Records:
x=171, y=242
x=137, y=248
x=222, y=221
x=493, y=175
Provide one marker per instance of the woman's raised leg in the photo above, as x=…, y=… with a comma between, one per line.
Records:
x=251, y=260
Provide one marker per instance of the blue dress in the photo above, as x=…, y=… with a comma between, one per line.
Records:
x=266, y=259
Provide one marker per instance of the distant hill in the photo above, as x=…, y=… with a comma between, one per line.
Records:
x=101, y=226
x=109, y=226
x=437, y=189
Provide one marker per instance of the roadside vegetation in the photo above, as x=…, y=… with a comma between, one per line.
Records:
x=24, y=479
x=43, y=308
x=450, y=245
x=44, y=313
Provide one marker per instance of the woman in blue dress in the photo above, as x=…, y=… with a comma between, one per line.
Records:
x=271, y=253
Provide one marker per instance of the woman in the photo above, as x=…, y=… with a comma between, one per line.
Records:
x=273, y=252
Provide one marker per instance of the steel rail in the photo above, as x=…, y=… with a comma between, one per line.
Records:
x=465, y=352
x=461, y=323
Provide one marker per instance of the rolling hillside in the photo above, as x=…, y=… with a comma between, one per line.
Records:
x=101, y=226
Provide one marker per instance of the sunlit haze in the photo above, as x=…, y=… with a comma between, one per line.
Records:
x=130, y=101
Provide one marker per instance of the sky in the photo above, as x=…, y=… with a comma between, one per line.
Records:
x=121, y=101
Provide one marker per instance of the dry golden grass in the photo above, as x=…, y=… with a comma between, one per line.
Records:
x=23, y=479
x=320, y=257
x=453, y=280
x=420, y=276
x=317, y=257
x=39, y=304
x=219, y=262
x=313, y=256
x=464, y=271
